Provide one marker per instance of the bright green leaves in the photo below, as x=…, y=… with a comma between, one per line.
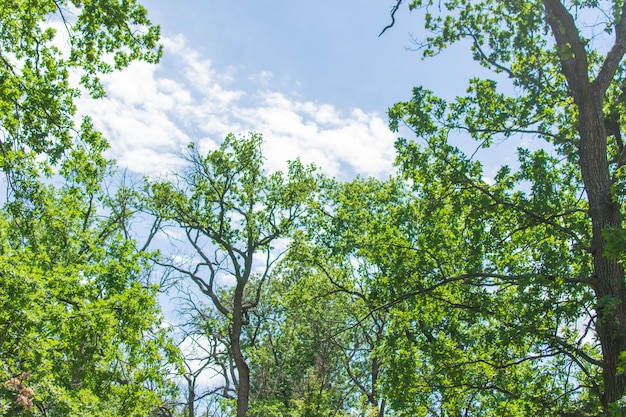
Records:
x=502, y=35
x=297, y=363
x=481, y=278
x=423, y=113
x=486, y=115
x=494, y=312
x=84, y=165
x=76, y=318
x=80, y=327
x=228, y=195
x=36, y=98
x=326, y=325
x=112, y=27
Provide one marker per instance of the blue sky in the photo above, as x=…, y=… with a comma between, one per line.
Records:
x=328, y=51
x=314, y=77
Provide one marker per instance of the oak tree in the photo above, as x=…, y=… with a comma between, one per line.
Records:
x=79, y=323
x=553, y=226
x=236, y=219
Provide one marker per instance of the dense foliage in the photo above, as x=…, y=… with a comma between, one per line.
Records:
x=501, y=295
x=79, y=323
x=445, y=290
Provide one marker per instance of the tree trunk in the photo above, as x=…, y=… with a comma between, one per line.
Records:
x=191, y=395
x=604, y=212
x=608, y=273
x=243, y=371
x=376, y=363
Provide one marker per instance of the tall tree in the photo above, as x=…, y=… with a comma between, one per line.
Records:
x=559, y=219
x=235, y=217
x=79, y=324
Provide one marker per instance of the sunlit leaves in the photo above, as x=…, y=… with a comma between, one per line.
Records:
x=521, y=284
x=42, y=43
x=76, y=318
x=79, y=324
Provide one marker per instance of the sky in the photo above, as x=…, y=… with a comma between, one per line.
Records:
x=313, y=77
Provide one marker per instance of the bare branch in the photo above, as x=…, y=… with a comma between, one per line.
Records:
x=393, y=17
x=614, y=56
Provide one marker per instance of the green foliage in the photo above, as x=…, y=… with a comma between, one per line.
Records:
x=79, y=324
x=297, y=362
x=321, y=326
x=227, y=196
x=236, y=218
x=472, y=282
x=42, y=42
x=500, y=298
x=79, y=328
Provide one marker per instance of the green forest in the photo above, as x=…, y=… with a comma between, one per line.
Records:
x=439, y=291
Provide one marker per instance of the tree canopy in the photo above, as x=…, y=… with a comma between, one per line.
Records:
x=450, y=288
x=233, y=215
x=548, y=228
x=79, y=322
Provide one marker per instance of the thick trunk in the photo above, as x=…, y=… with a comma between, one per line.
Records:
x=243, y=371
x=608, y=273
x=376, y=363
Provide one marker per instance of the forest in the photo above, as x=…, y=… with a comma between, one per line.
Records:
x=440, y=291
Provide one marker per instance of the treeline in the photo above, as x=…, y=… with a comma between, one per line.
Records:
x=440, y=291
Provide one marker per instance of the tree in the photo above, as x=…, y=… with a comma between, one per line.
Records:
x=474, y=327
x=312, y=355
x=204, y=343
x=36, y=95
x=337, y=253
x=79, y=323
x=558, y=220
x=236, y=218
x=325, y=322
x=293, y=362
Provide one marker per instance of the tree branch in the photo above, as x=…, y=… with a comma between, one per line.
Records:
x=613, y=57
x=571, y=47
x=393, y=17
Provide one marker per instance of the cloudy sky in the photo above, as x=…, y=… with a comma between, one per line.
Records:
x=313, y=76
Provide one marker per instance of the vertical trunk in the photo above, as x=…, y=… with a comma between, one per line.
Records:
x=191, y=395
x=608, y=273
x=381, y=408
x=243, y=371
x=594, y=167
x=374, y=397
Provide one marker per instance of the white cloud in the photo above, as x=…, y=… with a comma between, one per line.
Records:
x=151, y=112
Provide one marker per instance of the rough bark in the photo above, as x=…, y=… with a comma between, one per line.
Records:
x=608, y=274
